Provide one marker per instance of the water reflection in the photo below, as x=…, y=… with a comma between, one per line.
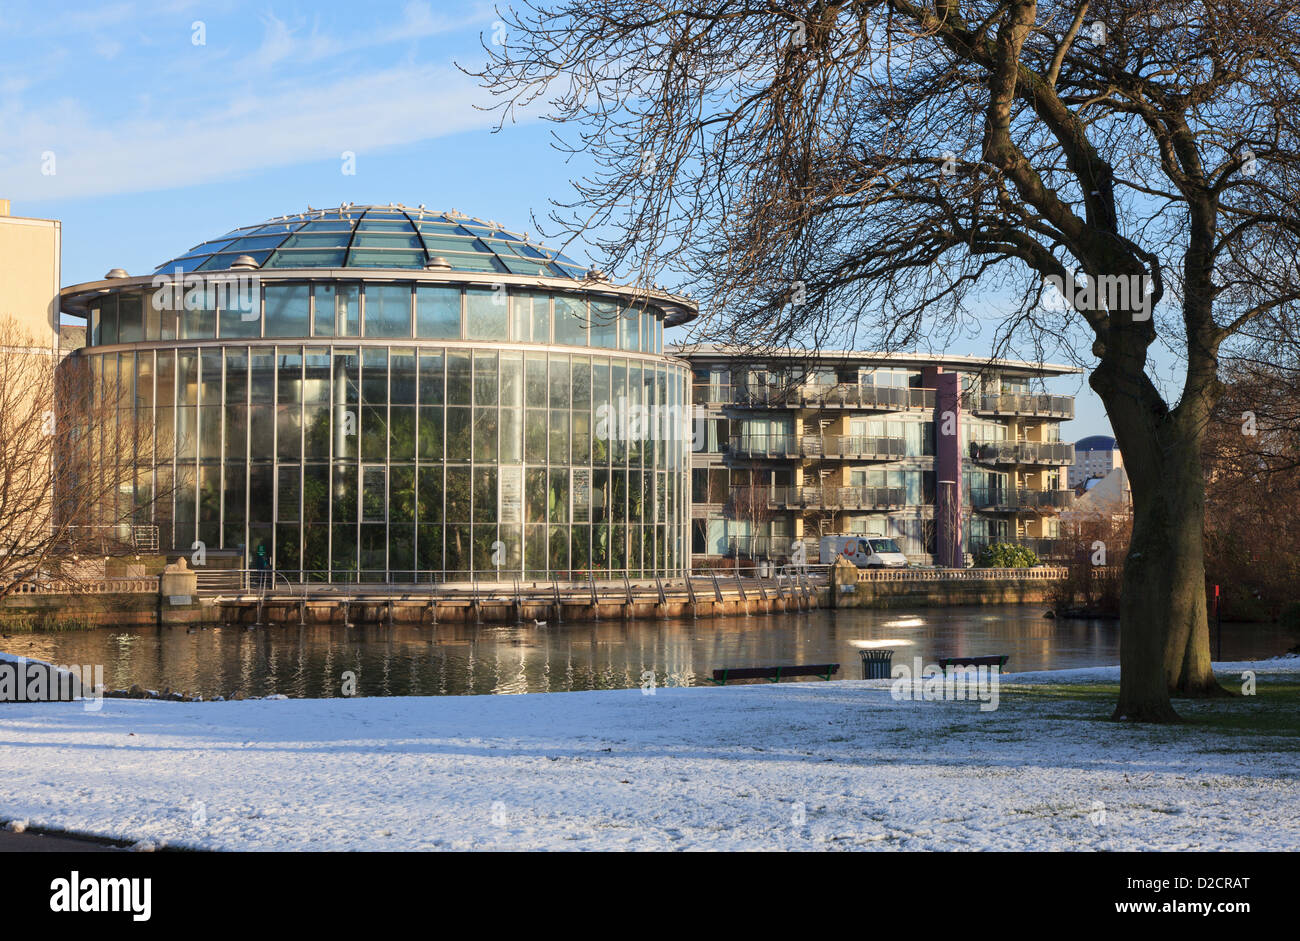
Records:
x=463, y=659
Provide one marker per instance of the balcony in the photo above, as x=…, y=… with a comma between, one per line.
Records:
x=765, y=446
x=711, y=395
x=1015, y=500
x=818, y=447
x=841, y=395
x=848, y=498
x=1022, y=452
x=853, y=447
x=1035, y=406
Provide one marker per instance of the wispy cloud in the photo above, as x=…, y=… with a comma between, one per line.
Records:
x=281, y=126
x=300, y=45
x=166, y=113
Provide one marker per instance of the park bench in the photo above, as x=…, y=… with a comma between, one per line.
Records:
x=775, y=674
x=995, y=660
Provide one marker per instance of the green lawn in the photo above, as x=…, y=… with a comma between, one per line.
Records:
x=1273, y=710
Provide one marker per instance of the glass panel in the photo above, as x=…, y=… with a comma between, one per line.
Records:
x=384, y=258
x=429, y=508
x=337, y=310
x=541, y=318
x=485, y=378
x=430, y=378
x=401, y=433
x=388, y=310
x=604, y=324
x=437, y=313
x=630, y=338
x=374, y=494
x=198, y=320
x=288, y=310
x=240, y=308
x=458, y=379
x=486, y=313
x=570, y=320
x=130, y=318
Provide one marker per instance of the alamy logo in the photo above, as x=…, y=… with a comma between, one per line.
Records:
x=23, y=680
x=624, y=421
x=179, y=291
x=75, y=894
x=1107, y=292
x=929, y=682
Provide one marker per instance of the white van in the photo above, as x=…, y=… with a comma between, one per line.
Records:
x=866, y=552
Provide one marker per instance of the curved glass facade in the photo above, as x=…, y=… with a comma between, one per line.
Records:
x=401, y=430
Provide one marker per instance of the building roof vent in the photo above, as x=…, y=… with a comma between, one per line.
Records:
x=116, y=273
x=437, y=263
x=243, y=262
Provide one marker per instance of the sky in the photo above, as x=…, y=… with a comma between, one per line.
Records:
x=148, y=126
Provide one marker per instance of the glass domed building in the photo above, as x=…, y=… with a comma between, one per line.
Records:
x=392, y=394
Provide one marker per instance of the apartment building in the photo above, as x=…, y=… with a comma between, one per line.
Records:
x=943, y=454
x=1094, y=457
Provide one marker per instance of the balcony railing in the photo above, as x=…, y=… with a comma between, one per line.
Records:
x=1007, y=499
x=861, y=447
x=837, y=447
x=1022, y=452
x=1012, y=403
x=777, y=446
x=711, y=395
x=837, y=497
x=822, y=395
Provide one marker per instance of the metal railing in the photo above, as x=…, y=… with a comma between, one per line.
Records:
x=861, y=447
x=1022, y=452
x=108, y=539
x=1018, y=403
x=865, y=497
x=1008, y=499
x=835, y=447
x=776, y=446
x=840, y=395
x=740, y=581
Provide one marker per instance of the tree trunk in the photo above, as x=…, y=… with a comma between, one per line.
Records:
x=1164, y=632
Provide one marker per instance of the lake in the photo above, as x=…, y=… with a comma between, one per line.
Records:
x=448, y=660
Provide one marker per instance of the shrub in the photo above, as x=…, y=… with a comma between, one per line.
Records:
x=1006, y=555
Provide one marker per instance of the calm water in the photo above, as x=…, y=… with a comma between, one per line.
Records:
x=459, y=659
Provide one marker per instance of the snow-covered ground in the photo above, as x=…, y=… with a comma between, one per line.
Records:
x=809, y=765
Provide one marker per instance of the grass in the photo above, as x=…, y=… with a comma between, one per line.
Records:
x=1271, y=711
x=30, y=624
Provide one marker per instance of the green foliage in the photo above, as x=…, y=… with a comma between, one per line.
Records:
x=1006, y=555
x=1290, y=616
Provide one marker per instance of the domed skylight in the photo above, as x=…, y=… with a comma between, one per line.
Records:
x=378, y=237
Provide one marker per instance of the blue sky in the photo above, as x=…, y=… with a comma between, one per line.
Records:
x=158, y=141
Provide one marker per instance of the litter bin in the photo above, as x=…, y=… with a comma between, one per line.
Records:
x=875, y=664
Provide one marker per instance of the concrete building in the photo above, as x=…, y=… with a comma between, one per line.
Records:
x=944, y=454
x=30, y=252
x=1094, y=456
x=29, y=351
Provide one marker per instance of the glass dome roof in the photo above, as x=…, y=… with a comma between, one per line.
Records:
x=378, y=237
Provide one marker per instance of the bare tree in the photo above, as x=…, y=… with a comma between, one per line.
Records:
x=69, y=465
x=884, y=170
x=1252, y=461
